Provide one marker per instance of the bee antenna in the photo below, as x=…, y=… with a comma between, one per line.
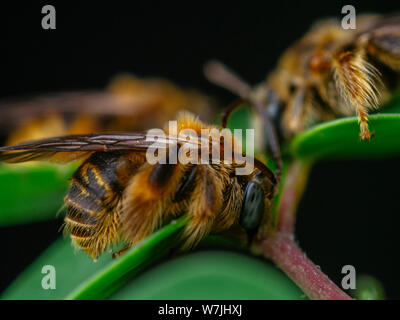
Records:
x=219, y=74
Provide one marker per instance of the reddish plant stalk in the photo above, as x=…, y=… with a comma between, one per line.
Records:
x=295, y=183
x=285, y=253
x=281, y=248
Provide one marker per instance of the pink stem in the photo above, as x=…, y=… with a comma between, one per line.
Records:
x=295, y=182
x=280, y=247
x=284, y=252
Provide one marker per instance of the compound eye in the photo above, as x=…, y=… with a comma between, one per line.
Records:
x=253, y=206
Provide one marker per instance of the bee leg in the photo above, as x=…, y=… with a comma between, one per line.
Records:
x=226, y=223
x=384, y=45
x=205, y=205
x=297, y=108
x=145, y=203
x=122, y=251
x=357, y=80
x=362, y=114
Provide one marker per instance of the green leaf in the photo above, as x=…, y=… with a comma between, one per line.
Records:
x=340, y=138
x=241, y=118
x=211, y=275
x=201, y=275
x=129, y=264
x=78, y=277
x=368, y=288
x=72, y=268
x=32, y=192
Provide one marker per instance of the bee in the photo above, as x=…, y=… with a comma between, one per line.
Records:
x=330, y=72
x=128, y=103
x=116, y=194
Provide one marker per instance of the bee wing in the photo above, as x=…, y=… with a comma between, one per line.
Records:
x=74, y=147
x=94, y=102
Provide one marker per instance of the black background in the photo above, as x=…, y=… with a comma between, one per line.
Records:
x=350, y=213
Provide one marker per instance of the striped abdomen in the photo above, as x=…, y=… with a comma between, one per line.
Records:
x=93, y=200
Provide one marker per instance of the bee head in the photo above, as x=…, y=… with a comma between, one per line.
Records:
x=257, y=194
x=253, y=206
